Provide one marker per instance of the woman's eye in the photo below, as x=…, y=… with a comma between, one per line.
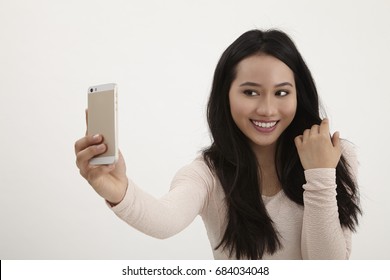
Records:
x=282, y=93
x=250, y=92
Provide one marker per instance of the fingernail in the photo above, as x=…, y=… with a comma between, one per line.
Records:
x=101, y=147
x=96, y=137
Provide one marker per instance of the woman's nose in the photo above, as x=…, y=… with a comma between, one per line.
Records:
x=266, y=106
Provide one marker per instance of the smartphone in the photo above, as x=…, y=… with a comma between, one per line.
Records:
x=102, y=119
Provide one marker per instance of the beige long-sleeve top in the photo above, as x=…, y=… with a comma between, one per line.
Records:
x=312, y=231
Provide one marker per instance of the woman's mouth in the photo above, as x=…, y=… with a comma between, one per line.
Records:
x=265, y=126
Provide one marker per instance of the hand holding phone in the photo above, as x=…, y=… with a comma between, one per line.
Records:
x=98, y=157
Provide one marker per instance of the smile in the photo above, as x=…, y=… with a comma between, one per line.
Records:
x=264, y=124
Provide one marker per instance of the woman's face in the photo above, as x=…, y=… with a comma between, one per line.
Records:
x=263, y=98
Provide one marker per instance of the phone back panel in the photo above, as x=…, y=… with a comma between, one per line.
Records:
x=102, y=117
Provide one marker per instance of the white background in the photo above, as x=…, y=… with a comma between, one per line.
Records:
x=162, y=55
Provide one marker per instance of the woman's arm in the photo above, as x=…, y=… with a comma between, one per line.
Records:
x=160, y=218
x=322, y=234
x=164, y=217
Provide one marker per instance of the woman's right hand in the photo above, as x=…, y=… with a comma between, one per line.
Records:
x=109, y=181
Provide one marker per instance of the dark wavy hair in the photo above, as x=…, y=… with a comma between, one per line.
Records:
x=250, y=232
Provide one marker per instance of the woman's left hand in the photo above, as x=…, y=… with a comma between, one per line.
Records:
x=316, y=149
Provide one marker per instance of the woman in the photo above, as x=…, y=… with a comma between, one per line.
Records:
x=273, y=184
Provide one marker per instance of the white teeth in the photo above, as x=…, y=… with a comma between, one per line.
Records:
x=264, y=124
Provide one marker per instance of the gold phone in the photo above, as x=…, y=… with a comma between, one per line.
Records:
x=102, y=119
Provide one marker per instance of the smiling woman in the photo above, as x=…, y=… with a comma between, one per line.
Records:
x=274, y=184
x=263, y=99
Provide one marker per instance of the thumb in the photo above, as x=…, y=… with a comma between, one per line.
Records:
x=336, y=140
x=298, y=141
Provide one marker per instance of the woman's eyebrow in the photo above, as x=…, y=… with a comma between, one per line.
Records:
x=253, y=84
x=284, y=84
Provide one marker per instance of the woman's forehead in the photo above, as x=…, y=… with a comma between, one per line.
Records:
x=263, y=69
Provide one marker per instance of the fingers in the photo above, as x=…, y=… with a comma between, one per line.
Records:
x=87, y=148
x=324, y=130
x=306, y=134
x=317, y=130
x=87, y=141
x=91, y=151
x=324, y=127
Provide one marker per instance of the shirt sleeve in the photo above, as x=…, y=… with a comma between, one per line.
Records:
x=167, y=216
x=323, y=237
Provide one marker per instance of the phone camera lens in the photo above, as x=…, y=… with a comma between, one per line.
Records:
x=91, y=89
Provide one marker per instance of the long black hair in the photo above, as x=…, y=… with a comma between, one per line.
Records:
x=250, y=232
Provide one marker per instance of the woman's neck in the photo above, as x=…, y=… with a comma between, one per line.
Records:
x=269, y=183
x=265, y=156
